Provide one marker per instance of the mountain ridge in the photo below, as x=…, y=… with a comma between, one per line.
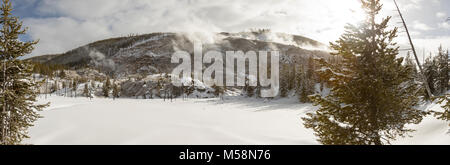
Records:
x=150, y=53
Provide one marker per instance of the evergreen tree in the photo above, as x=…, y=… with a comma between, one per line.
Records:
x=305, y=84
x=299, y=79
x=172, y=90
x=303, y=94
x=158, y=87
x=409, y=62
x=291, y=78
x=62, y=74
x=308, y=82
x=18, y=95
x=284, y=80
x=106, y=87
x=150, y=89
x=443, y=70
x=368, y=103
x=304, y=88
x=86, y=91
x=416, y=80
x=310, y=75
x=218, y=90
x=430, y=70
x=165, y=84
x=75, y=86
x=116, y=91
x=249, y=90
x=446, y=114
x=257, y=91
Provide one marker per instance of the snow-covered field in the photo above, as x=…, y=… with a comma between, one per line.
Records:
x=193, y=121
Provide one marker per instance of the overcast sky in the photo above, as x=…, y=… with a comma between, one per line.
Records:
x=62, y=25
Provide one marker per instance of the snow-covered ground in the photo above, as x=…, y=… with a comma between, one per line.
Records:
x=193, y=121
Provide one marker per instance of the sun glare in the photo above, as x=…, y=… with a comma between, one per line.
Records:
x=349, y=10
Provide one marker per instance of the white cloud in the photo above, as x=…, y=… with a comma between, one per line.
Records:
x=79, y=22
x=444, y=25
x=441, y=15
x=405, y=5
x=421, y=26
x=75, y=23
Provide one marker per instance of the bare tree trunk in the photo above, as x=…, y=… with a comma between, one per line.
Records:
x=424, y=78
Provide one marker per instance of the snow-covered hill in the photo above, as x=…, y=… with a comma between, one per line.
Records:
x=236, y=120
x=150, y=53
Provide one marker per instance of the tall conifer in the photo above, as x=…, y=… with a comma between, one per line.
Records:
x=18, y=91
x=369, y=102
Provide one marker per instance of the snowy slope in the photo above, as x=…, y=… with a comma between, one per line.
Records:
x=430, y=131
x=194, y=121
x=151, y=53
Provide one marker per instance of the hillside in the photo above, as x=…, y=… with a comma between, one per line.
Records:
x=150, y=53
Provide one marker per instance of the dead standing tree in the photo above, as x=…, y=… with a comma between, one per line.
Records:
x=424, y=79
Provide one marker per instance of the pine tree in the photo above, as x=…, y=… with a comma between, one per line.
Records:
x=308, y=82
x=291, y=78
x=18, y=95
x=106, y=87
x=416, y=80
x=62, y=74
x=218, y=90
x=310, y=75
x=303, y=94
x=446, y=114
x=166, y=86
x=285, y=80
x=368, y=103
x=249, y=90
x=299, y=79
x=116, y=91
x=171, y=91
x=305, y=85
x=443, y=70
x=75, y=86
x=430, y=70
x=150, y=89
x=86, y=91
x=409, y=62
x=158, y=87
